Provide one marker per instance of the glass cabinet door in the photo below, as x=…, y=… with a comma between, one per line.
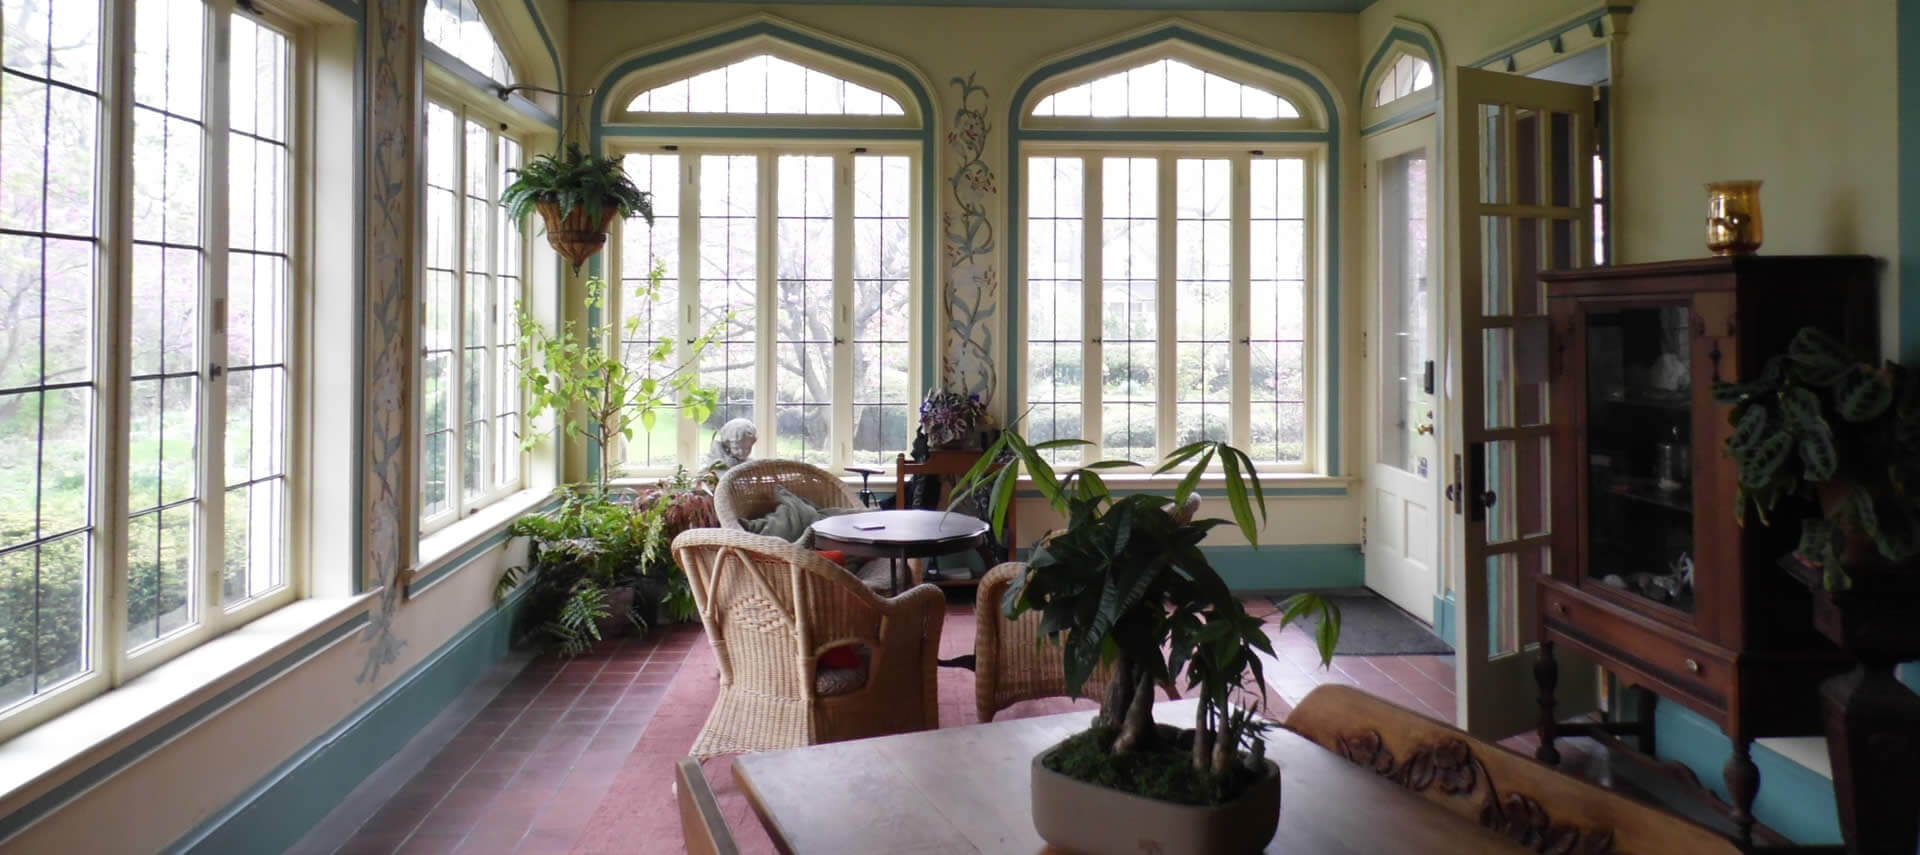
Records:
x=1639, y=453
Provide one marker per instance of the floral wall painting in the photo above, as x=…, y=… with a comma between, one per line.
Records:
x=973, y=286
x=386, y=483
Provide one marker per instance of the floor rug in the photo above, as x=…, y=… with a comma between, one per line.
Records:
x=1372, y=626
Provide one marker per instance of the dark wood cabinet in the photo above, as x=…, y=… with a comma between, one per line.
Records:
x=1652, y=576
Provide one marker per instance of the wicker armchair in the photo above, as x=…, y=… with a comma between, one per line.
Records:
x=746, y=490
x=1010, y=663
x=771, y=609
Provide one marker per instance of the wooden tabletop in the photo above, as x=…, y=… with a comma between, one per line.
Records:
x=901, y=534
x=966, y=789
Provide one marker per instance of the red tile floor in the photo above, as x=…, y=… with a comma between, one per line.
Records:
x=577, y=756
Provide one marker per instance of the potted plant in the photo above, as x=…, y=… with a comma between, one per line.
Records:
x=578, y=195
x=599, y=562
x=950, y=419
x=1126, y=583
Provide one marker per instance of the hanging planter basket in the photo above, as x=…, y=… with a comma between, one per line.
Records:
x=575, y=236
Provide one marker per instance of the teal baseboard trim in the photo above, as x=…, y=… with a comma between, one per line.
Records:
x=1443, y=617
x=279, y=809
x=1289, y=567
x=1794, y=800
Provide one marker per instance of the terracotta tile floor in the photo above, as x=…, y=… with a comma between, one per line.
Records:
x=577, y=756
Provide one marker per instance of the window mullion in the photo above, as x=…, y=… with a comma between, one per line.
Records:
x=488, y=479
x=1318, y=421
x=1091, y=288
x=841, y=403
x=689, y=268
x=457, y=328
x=1240, y=301
x=214, y=357
x=110, y=501
x=1166, y=352
x=767, y=328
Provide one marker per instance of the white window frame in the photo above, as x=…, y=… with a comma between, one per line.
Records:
x=1313, y=157
x=447, y=90
x=690, y=452
x=110, y=665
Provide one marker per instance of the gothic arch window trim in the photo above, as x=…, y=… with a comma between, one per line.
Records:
x=1404, y=39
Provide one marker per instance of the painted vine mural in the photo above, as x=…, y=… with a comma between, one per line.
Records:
x=973, y=285
x=386, y=486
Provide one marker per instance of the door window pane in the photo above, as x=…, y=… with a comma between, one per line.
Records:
x=1405, y=403
x=1130, y=233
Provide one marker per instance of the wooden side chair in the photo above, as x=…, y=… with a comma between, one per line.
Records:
x=701, y=823
x=1537, y=806
x=948, y=465
x=807, y=654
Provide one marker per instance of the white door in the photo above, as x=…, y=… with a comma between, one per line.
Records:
x=1525, y=194
x=1403, y=485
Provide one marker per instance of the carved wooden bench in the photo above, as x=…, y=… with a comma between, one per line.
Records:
x=1545, y=810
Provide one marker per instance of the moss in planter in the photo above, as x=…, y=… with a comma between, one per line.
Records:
x=1163, y=773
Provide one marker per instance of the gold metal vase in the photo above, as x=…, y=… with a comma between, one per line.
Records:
x=1733, y=217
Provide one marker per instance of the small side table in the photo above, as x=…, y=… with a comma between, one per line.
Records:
x=900, y=535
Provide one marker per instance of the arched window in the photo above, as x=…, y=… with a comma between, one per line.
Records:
x=790, y=225
x=1170, y=277
x=1408, y=74
x=456, y=27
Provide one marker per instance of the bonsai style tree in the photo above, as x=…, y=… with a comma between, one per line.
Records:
x=1126, y=583
x=578, y=195
x=1819, y=424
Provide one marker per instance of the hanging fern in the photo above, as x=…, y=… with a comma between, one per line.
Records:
x=575, y=180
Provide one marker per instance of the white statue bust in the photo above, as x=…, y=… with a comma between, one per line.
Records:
x=733, y=443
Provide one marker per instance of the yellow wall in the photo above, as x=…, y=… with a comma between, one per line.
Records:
x=1797, y=93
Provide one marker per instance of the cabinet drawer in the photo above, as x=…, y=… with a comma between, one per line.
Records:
x=1640, y=648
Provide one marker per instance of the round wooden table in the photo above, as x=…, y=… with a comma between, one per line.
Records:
x=900, y=535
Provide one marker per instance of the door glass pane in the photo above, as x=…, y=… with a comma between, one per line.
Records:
x=1639, y=453
x=1406, y=405
x=803, y=334
x=1203, y=288
x=729, y=276
x=1527, y=173
x=1496, y=271
x=1522, y=487
x=1130, y=231
x=1056, y=340
x=882, y=291
x=1563, y=160
x=1516, y=389
x=1493, y=155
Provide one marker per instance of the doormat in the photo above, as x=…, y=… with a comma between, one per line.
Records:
x=1372, y=626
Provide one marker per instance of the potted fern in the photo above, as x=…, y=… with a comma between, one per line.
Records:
x=578, y=195
x=1126, y=584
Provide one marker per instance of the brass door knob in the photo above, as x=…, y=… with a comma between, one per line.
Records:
x=1693, y=666
x=1424, y=429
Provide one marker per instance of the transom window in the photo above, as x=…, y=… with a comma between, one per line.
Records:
x=766, y=84
x=1166, y=89
x=115, y=557
x=1407, y=75
x=456, y=27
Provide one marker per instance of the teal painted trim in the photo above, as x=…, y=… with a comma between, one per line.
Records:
x=735, y=132
x=1907, y=24
x=1289, y=567
x=430, y=52
x=1794, y=800
x=480, y=547
x=1136, y=5
x=540, y=26
x=76, y=786
x=348, y=8
x=273, y=814
x=1444, y=618
x=1403, y=118
x=929, y=120
x=1016, y=110
x=1507, y=53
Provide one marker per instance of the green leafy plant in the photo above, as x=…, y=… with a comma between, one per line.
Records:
x=597, y=392
x=575, y=180
x=1126, y=583
x=1816, y=423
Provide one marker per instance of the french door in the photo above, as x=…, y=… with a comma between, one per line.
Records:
x=1524, y=204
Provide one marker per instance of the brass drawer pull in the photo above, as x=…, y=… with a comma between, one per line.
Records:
x=1693, y=666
